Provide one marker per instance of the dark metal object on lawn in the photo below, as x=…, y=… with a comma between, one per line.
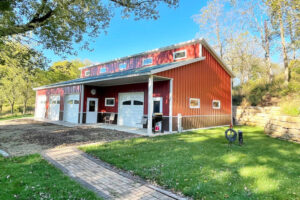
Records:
x=241, y=140
x=230, y=135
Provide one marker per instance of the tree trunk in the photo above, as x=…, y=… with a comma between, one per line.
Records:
x=284, y=52
x=24, y=107
x=12, y=108
x=267, y=52
x=219, y=39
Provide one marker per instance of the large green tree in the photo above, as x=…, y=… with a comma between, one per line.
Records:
x=57, y=24
x=18, y=68
x=60, y=71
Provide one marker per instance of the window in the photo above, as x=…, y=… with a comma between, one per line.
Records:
x=147, y=61
x=122, y=66
x=126, y=102
x=216, y=104
x=92, y=106
x=157, y=104
x=110, y=102
x=194, y=103
x=70, y=102
x=177, y=55
x=87, y=73
x=103, y=70
x=76, y=101
x=58, y=102
x=137, y=103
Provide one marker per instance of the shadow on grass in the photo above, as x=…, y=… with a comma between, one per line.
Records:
x=202, y=165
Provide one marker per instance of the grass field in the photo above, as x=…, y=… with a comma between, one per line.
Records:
x=201, y=165
x=17, y=116
x=31, y=177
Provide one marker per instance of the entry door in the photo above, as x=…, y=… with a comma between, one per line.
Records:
x=54, y=108
x=92, y=110
x=131, y=109
x=40, y=110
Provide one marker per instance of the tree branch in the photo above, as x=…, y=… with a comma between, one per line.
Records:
x=36, y=21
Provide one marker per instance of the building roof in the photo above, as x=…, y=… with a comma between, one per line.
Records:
x=123, y=74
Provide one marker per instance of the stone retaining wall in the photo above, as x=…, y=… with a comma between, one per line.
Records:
x=275, y=125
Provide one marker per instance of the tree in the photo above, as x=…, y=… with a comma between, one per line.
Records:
x=280, y=12
x=10, y=83
x=56, y=24
x=213, y=23
x=256, y=20
x=244, y=58
x=17, y=71
x=60, y=71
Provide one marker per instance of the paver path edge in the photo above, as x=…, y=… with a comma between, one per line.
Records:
x=101, y=178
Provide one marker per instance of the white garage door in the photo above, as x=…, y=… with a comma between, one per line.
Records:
x=131, y=109
x=71, y=108
x=54, y=107
x=40, y=109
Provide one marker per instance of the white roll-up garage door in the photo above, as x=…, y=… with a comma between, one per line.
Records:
x=71, y=108
x=40, y=109
x=54, y=107
x=131, y=109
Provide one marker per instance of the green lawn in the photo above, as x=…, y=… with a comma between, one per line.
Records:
x=201, y=165
x=7, y=117
x=31, y=177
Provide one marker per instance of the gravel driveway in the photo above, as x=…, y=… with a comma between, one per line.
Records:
x=26, y=136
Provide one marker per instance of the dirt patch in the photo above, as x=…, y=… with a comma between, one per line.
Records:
x=26, y=136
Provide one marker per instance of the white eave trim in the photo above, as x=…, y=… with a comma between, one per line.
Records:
x=155, y=71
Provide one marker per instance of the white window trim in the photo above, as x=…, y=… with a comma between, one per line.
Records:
x=122, y=64
x=180, y=52
x=101, y=69
x=197, y=99
x=85, y=73
x=110, y=99
x=160, y=99
x=146, y=59
x=219, y=107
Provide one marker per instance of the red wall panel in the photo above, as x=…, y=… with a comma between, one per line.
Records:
x=161, y=89
x=136, y=62
x=205, y=80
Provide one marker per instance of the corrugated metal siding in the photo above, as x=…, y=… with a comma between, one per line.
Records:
x=161, y=89
x=136, y=62
x=206, y=80
x=57, y=91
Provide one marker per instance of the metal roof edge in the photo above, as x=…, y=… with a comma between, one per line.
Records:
x=82, y=82
x=175, y=65
x=147, y=52
x=219, y=59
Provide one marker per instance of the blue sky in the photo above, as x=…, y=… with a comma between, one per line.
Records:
x=127, y=36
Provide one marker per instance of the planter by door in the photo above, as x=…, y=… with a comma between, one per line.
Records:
x=91, y=110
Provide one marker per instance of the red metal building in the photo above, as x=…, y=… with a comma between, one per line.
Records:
x=187, y=84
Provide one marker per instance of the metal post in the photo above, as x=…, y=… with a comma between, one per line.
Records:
x=81, y=103
x=150, y=104
x=179, y=123
x=171, y=106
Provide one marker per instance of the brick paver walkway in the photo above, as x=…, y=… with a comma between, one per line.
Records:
x=103, y=180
